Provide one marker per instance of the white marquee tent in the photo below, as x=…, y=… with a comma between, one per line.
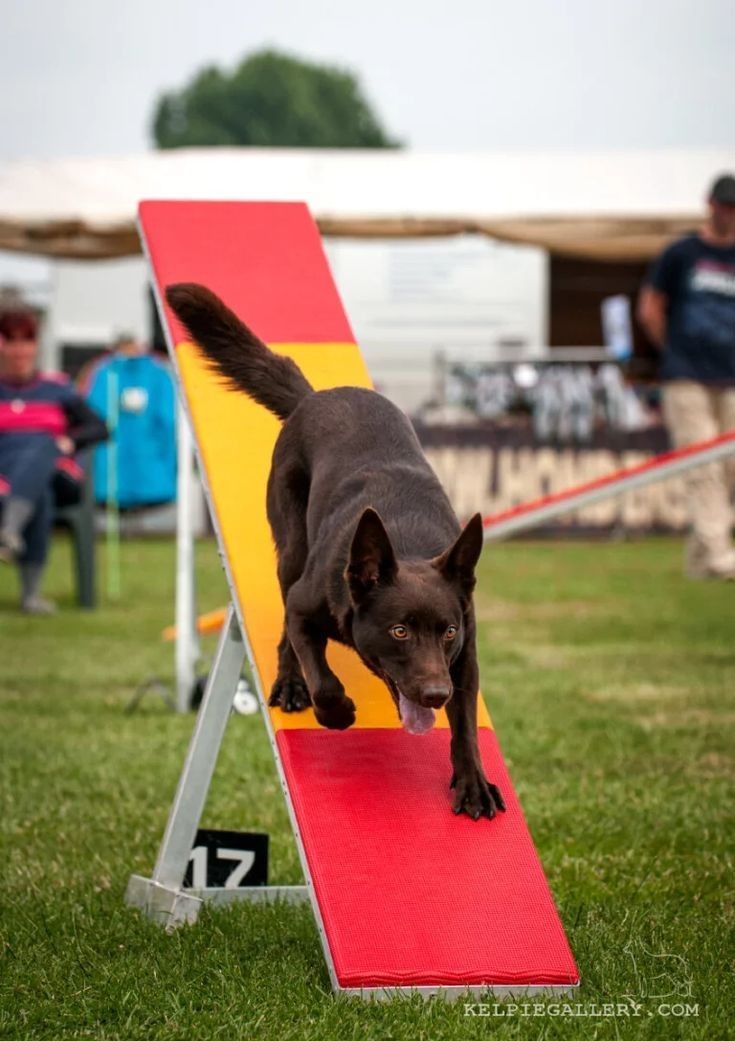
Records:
x=600, y=205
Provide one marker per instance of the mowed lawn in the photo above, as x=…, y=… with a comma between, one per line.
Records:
x=611, y=681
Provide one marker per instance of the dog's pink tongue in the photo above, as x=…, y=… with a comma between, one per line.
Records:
x=415, y=718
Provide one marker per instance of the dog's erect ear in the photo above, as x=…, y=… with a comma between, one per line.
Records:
x=372, y=560
x=457, y=564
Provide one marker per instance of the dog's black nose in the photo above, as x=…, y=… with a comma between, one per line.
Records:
x=435, y=697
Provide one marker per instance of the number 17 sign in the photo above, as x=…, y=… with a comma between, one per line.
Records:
x=227, y=860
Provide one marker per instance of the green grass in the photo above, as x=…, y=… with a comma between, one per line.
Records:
x=611, y=681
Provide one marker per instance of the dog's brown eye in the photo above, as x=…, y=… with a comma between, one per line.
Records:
x=399, y=632
x=451, y=632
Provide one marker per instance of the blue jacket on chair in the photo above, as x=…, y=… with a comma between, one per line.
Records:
x=136, y=396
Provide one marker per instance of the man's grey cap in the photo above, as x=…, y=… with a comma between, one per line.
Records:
x=723, y=189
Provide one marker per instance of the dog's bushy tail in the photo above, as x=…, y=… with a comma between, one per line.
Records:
x=235, y=352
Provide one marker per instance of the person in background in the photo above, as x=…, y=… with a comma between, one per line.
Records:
x=687, y=308
x=43, y=423
x=133, y=390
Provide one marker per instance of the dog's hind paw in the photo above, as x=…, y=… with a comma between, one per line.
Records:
x=475, y=795
x=289, y=693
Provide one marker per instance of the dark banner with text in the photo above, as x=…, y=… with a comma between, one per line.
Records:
x=493, y=468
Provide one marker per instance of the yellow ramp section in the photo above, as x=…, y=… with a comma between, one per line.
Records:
x=236, y=437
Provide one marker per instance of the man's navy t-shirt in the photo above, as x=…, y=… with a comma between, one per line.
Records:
x=699, y=282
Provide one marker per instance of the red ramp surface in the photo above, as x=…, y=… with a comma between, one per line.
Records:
x=406, y=894
x=409, y=894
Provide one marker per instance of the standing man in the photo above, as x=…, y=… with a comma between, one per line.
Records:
x=687, y=308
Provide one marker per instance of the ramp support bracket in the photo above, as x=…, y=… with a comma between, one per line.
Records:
x=163, y=897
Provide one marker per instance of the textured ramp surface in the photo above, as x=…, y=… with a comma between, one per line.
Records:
x=407, y=894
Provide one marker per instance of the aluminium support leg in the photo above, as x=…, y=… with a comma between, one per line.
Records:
x=162, y=896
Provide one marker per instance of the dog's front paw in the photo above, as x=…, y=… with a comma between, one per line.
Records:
x=475, y=795
x=335, y=713
x=289, y=693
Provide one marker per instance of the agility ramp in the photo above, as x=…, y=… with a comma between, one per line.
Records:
x=668, y=464
x=406, y=895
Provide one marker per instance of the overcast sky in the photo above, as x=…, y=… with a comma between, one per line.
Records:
x=79, y=77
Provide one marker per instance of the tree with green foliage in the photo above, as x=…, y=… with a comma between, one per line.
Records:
x=270, y=99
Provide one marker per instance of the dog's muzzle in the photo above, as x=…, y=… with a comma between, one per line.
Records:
x=415, y=718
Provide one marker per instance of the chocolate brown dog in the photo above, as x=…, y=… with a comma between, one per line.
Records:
x=370, y=552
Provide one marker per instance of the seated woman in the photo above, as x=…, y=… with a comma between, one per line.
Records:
x=44, y=421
